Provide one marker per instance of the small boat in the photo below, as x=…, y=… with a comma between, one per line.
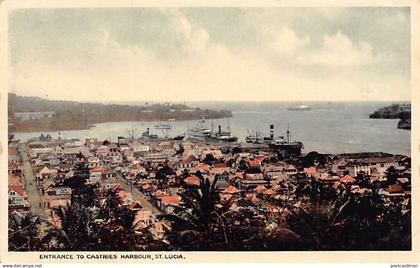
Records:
x=254, y=137
x=178, y=138
x=163, y=126
x=299, y=107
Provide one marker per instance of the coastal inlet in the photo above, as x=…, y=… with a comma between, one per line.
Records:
x=330, y=127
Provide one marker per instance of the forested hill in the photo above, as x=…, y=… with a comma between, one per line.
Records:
x=78, y=115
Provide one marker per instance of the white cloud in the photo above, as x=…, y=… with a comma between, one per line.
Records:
x=286, y=42
x=194, y=39
x=339, y=50
x=208, y=70
x=131, y=73
x=197, y=39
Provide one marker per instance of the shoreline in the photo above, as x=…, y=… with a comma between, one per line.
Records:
x=304, y=152
x=55, y=127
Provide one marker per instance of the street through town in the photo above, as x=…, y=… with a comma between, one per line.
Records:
x=137, y=195
x=34, y=197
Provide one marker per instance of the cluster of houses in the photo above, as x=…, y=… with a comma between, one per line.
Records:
x=17, y=194
x=260, y=178
x=160, y=171
x=52, y=162
x=27, y=116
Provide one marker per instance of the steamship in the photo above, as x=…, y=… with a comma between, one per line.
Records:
x=280, y=143
x=202, y=132
x=299, y=107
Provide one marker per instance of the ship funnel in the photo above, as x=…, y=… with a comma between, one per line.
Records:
x=271, y=131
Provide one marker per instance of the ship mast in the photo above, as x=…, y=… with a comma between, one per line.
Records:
x=257, y=134
x=131, y=134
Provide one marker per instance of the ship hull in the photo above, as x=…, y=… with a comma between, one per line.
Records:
x=299, y=109
x=287, y=149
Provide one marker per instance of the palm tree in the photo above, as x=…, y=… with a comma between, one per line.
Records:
x=116, y=230
x=75, y=227
x=192, y=224
x=369, y=223
x=392, y=175
x=23, y=233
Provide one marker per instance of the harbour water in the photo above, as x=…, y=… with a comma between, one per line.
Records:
x=329, y=127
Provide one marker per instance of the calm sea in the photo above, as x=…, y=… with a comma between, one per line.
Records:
x=330, y=127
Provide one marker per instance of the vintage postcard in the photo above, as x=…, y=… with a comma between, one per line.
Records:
x=199, y=131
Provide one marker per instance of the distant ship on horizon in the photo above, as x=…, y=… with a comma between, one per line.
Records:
x=299, y=107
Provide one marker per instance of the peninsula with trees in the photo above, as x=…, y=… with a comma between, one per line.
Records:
x=27, y=114
x=395, y=111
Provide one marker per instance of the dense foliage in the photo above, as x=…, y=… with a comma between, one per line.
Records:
x=331, y=219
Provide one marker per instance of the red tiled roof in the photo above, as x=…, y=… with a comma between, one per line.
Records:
x=12, y=167
x=172, y=200
x=219, y=170
x=107, y=171
x=347, y=179
x=237, y=175
x=159, y=193
x=219, y=165
x=260, y=188
x=145, y=181
x=251, y=197
x=13, y=151
x=310, y=170
x=17, y=188
x=97, y=169
x=202, y=167
x=329, y=178
x=255, y=162
x=192, y=180
x=121, y=194
x=14, y=180
x=395, y=188
x=231, y=190
x=268, y=192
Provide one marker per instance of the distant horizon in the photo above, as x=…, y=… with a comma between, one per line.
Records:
x=125, y=102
